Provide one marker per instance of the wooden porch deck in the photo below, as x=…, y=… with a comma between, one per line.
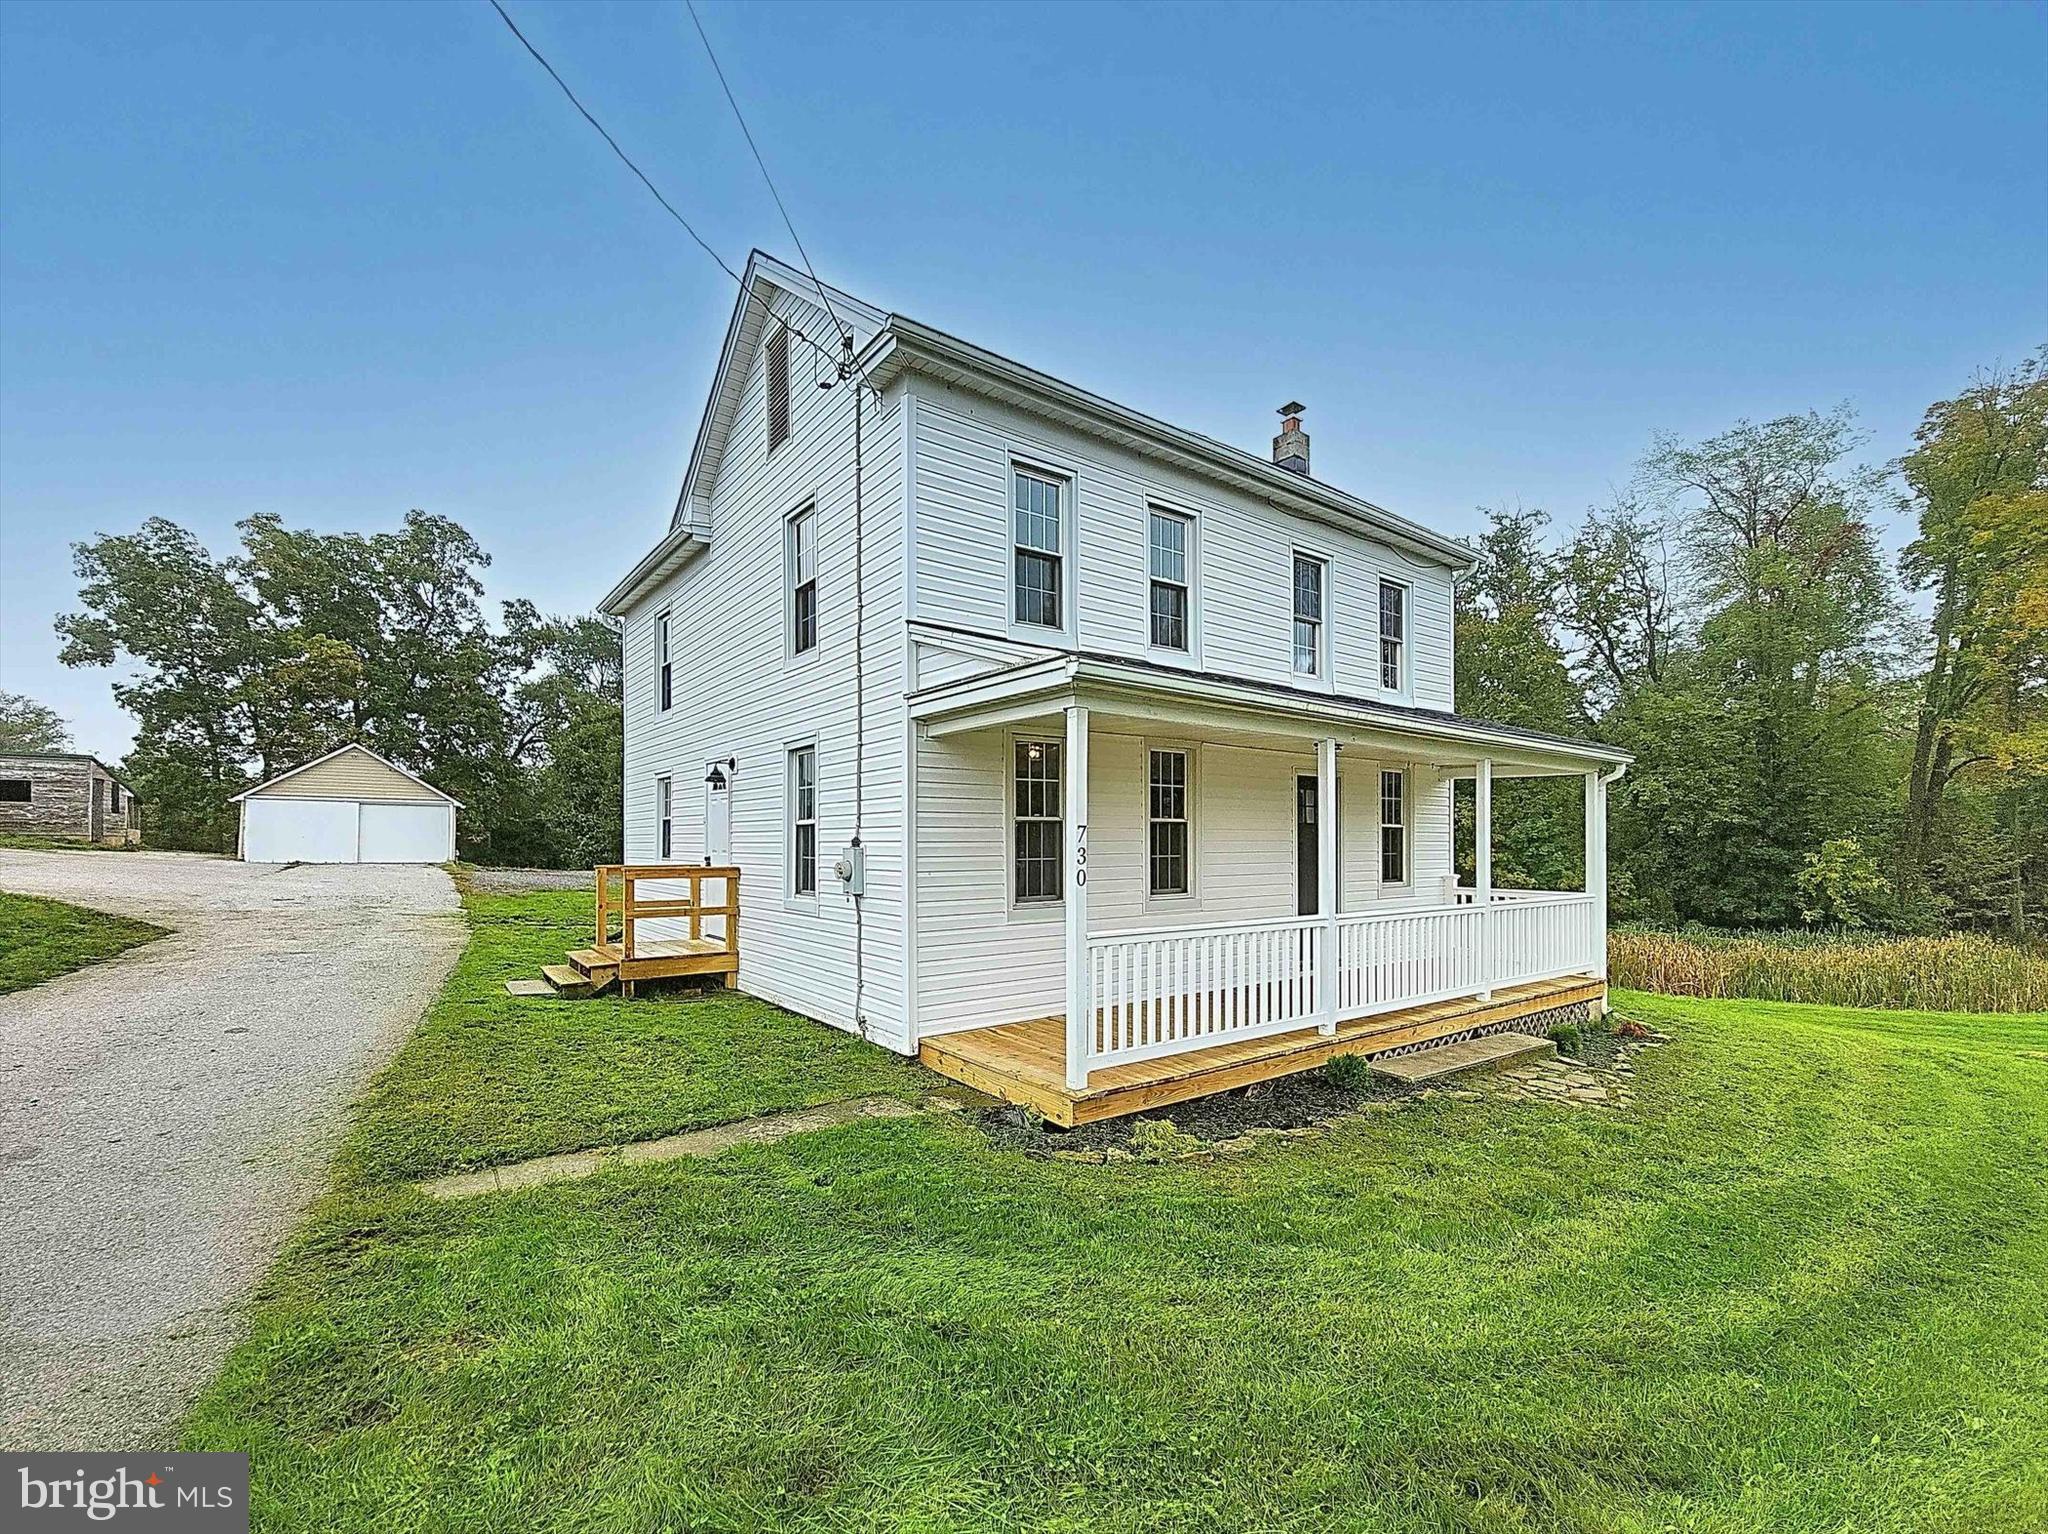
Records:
x=1026, y=1062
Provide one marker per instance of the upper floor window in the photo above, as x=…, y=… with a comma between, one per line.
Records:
x=1308, y=614
x=1167, y=823
x=803, y=821
x=778, y=387
x=1040, y=829
x=1393, y=633
x=1038, y=526
x=1168, y=553
x=665, y=817
x=661, y=648
x=803, y=580
x=1393, y=828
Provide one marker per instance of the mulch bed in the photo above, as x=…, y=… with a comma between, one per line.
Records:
x=1289, y=1102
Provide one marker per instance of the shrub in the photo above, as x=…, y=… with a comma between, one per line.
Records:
x=1960, y=972
x=1567, y=1038
x=1347, y=1073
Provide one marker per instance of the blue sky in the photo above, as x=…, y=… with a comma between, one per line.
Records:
x=334, y=261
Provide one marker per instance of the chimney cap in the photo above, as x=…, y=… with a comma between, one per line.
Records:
x=1292, y=407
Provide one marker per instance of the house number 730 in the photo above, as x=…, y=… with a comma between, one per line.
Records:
x=1081, y=852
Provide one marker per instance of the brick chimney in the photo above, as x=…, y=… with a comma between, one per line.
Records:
x=1290, y=448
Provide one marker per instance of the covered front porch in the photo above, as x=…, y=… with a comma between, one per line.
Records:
x=1163, y=1001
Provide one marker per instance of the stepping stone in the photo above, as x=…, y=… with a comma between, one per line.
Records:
x=528, y=988
x=1495, y=1049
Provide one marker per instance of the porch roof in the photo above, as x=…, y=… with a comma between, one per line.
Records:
x=1177, y=695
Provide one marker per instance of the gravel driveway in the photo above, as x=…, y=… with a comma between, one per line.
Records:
x=165, y=1116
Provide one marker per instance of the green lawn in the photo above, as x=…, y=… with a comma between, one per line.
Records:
x=1798, y=1285
x=41, y=939
x=489, y=1079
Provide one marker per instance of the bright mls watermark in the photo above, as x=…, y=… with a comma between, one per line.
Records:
x=159, y=1493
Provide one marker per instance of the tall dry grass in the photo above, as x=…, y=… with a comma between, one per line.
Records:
x=1961, y=972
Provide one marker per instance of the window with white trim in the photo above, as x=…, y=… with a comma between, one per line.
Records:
x=778, y=387
x=664, y=817
x=1393, y=633
x=802, y=564
x=1309, y=575
x=1393, y=828
x=1039, y=834
x=1038, y=528
x=803, y=820
x=1167, y=552
x=1167, y=828
x=667, y=675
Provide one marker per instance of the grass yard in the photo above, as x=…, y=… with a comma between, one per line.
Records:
x=41, y=939
x=1796, y=1286
x=488, y=1079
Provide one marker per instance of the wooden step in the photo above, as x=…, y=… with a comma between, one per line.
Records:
x=567, y=981
x=588, y=961
x=1441, y=1060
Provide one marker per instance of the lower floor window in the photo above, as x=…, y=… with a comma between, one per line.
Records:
x=1393, y=828
x=664, y=814
x=1167, y=813
x=1040, y=829
x=803, y=820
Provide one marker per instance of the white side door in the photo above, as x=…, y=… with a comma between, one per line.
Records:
x=407, y=833
x=718, y=818
x=299, y=830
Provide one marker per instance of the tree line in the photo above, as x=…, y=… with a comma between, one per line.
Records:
x=1821, y=735
x=250, y=664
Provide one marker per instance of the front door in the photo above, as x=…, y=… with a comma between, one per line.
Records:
x=1307, y=843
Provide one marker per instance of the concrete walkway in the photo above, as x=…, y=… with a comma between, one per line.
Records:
x=165, y=1117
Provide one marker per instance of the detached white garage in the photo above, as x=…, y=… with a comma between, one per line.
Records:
x=349, y=806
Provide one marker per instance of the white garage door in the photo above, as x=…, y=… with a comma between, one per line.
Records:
x=407, y=833
x=299, y=830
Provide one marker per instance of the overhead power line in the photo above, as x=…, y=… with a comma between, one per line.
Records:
x=845, y=334
x=627, y=160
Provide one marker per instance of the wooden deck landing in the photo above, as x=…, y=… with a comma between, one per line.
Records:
x=1026, y=1062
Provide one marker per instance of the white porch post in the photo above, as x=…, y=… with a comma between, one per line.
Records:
x=1596, y=867
x=1482, y=869
x=1080, y=1001
x=1326, y=884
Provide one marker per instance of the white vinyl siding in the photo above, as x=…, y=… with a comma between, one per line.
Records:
x=753, y=702
x=966, y=445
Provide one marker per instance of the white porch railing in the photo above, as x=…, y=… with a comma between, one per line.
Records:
x=1166, y=990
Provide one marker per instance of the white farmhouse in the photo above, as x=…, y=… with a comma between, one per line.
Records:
x=1103, y=763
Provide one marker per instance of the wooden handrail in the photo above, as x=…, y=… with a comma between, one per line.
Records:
x=630, y=909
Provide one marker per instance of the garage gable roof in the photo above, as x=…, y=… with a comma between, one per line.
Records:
x=353, y=771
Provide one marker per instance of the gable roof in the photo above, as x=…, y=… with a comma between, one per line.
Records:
x=891, y=343
x=355, y=746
